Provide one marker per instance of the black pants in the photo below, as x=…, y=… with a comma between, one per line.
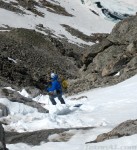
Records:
x=59, y=96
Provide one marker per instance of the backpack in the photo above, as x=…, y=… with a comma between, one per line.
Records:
x=64, y=84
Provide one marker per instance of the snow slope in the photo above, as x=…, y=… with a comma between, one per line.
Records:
x=83, y=20
x=124, y=143
x=104, y=109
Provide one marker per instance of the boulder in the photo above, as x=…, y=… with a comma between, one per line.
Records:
x=3, y=110
x=14, y=96
x=111, y=60
x=125, y=31
x=113, y=55
x=126, y=128
x=36, y=137
x=130, y=69
x=88, y=55
x=2, y=138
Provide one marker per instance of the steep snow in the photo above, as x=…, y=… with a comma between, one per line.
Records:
x=83, y=20
x=124, y=143
x=104, y=109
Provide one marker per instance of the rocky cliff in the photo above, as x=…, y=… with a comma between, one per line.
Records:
x=112, y=60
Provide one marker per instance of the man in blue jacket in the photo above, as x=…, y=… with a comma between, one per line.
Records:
x=55, y=90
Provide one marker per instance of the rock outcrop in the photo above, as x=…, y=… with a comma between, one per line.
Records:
x=41, y=136
x=112, y=60
x=126, y=128
x=14, y=96
x=3, y=110
x=27, y=58
x=2, y=138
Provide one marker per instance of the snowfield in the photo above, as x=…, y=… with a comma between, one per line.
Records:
x=104, y=109
x=83, y=20
x=124, y=143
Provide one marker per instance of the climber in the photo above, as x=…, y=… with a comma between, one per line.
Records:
x=55, y=90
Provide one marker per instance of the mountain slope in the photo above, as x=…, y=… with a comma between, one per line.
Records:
x=52, y=15
x=59, y=36
x=104, y=109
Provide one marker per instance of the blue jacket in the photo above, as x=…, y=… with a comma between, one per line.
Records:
x=55, y=85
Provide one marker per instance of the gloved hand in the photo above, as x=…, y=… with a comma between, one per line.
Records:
x=51, y=93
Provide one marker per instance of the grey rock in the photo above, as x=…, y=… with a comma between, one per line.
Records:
x=109, y=62
x=10, y=7
x=132, y=48
x=2, y=138
x=3, y=110
x=126, y=128
x=125, y=31
x=36, y=137
x=16, y=97
x=130, y=69
x=88, y=55
x=93, y=66
x=116, y=54
x=37, y=56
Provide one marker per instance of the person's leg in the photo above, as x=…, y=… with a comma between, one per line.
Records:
x=61, y=99
x=51, y=97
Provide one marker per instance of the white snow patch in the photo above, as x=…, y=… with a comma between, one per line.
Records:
x=17, y=108
x=9, y=88
x=12, y=60
x=85, y=22
x=24, y=93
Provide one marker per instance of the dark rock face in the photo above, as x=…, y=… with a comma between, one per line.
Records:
x=10, y=7
x=115, y=54
x=55, y=8
x=110, y=60
x=36, y=137
x=126, y=128
x=125, y=32
x=27, y=58
x=2, y=138
x=3, y=110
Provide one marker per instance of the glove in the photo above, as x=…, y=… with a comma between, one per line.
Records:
x=51, y=93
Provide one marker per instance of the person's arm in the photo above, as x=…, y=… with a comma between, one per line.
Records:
x=47, y=85
x=52, y=88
